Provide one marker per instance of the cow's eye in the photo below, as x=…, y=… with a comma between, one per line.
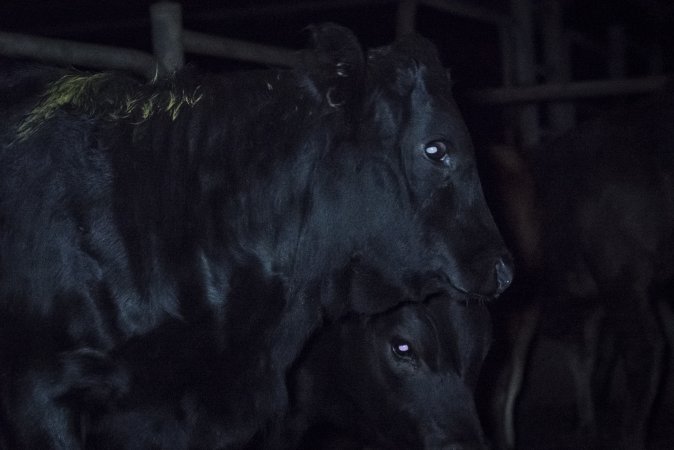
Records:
x=402, y=349
x=436, y=150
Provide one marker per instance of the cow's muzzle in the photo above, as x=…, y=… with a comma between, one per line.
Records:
x=485, y=278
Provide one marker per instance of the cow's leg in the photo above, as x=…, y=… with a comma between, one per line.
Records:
x=524, y=331
x=582, y=364
x=665, y=305
x=640, y=341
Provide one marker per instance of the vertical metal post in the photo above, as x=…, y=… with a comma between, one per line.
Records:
x=406, y=17
x=506, y=44
x=557, y=63
x=525, y=68
x=655, y=60
x=616, y=52
x=167, y=35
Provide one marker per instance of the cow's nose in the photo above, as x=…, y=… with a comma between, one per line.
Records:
x=486, y=278
x=504, y=274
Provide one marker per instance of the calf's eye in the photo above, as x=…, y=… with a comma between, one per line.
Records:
x=436, y=150
x=402, y=349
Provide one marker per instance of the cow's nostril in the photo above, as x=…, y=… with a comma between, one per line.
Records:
x=504, y=274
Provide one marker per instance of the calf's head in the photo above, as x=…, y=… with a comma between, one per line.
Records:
x=400, y=379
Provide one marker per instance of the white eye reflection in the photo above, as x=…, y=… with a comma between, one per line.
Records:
x=402, y=349
x=436, y=150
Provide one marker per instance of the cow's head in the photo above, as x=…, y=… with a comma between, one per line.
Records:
x=398, y=182
x=401, y=379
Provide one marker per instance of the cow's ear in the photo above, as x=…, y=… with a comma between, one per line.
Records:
x=337, y=64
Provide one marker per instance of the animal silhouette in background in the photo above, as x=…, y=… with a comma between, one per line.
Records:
x=591, y=219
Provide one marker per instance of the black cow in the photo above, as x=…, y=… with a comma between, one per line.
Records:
x=222, y=218
x=597, y=246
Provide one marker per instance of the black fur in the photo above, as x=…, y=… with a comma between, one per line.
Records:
x=354, y=382
x=195, y=231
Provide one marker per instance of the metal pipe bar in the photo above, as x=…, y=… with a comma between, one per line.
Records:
x=276, y=10
x=64, y=52
x=575, y=90
x=212, y=15
x=525, y=69
x=468, y=10
x=94, y=27
x=205, y=44
x=557, y=62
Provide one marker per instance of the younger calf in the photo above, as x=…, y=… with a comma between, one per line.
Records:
x=400, y=379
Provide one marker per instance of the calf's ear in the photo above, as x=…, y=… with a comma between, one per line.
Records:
x=337, y=64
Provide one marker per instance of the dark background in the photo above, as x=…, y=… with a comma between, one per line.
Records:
x=470, y=48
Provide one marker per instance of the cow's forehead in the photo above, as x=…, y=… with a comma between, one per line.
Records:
x=411, y=321
x=411, y=47
x=407, y=62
